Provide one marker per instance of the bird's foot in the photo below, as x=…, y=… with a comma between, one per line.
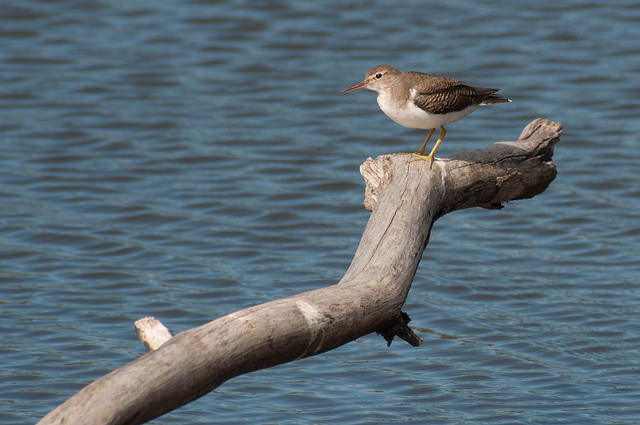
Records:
x=420, y=157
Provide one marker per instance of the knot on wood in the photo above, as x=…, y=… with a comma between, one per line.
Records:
x=400, y=328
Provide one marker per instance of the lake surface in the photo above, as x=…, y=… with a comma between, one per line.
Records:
x=189, y=159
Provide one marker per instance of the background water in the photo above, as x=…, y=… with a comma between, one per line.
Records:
x=189, y=159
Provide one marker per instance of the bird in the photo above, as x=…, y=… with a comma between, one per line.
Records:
x=424, y=101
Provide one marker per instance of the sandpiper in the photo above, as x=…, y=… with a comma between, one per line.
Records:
x=417, y=100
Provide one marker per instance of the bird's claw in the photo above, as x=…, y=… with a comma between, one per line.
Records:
x=419, y=157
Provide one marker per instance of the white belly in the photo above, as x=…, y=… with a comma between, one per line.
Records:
x=409, y=115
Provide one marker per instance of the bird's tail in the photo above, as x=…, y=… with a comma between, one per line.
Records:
x=494, y=98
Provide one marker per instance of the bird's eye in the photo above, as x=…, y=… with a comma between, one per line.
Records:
x=378, y=75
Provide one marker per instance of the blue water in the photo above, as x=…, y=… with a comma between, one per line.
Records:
x=189, y=159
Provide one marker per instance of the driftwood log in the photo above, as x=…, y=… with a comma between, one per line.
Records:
x=405, y=197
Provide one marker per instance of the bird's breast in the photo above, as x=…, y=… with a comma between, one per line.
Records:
x=407, y=114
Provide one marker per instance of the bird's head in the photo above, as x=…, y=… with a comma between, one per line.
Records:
x=377, y=79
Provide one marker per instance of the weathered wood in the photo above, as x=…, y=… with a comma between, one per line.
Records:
x=406, y=197
x=152, y=332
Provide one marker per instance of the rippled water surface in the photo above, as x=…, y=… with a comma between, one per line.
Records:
x=189, y=159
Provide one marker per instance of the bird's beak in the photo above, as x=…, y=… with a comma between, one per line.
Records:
x=360, y=85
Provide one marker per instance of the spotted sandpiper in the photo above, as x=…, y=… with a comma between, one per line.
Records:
x=417, y=100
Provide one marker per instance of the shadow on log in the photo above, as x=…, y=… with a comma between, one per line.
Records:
x=405, y=198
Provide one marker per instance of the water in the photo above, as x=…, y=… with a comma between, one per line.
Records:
x=189, y=159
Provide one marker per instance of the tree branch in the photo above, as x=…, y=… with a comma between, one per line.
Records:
x=405, y=197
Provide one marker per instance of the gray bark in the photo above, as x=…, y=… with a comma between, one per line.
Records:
x=405, y=197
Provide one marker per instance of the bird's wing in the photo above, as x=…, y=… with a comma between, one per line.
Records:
x=446, y=95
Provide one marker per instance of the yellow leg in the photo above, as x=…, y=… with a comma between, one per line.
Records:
x=443, y=133
x=429, y=157
x=424, y=145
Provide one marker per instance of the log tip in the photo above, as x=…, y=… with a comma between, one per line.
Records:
x=549, y=129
